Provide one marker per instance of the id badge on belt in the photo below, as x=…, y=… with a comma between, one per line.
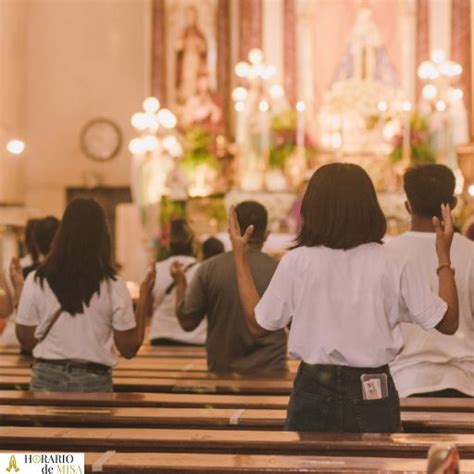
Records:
x=374, y=386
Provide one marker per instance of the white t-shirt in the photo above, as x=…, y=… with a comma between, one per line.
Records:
x=432, y=361
x=85, y=337
x=345, y=306
x=164, y=323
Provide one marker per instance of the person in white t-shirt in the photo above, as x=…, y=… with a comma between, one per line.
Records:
x=432, y=364
x=165, y=328
x=345, y=295
x=74, y=307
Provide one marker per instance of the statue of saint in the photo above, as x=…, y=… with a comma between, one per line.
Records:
x=191, y=58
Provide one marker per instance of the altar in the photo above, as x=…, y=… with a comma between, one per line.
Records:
x=209, y=149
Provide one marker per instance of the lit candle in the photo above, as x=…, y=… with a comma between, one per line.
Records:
x=264, y=126
x=406, y=107
x=300, y=110
x=240, y=123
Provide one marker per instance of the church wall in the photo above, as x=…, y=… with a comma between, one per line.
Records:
x=12, y=99
x=85, y=59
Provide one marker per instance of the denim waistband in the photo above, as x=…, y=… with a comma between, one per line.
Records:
x=339, y=379
x=69, y=365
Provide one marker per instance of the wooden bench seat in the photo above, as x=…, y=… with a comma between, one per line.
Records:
x=141, y=363
x=155, y=374
x=139, y=463
x=185, y=400
x=216, y=418
x=150, y=384
x=229, y=441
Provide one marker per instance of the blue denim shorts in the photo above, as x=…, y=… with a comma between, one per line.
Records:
x=328, y=398
x=51, y=377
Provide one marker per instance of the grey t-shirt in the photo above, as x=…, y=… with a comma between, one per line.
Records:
x=214, y=292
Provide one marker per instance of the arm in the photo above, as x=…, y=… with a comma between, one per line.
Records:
x=188, y=321
x=26, y=336
x=249, y=296
x=129, y=342
x=6, y=301
x=447, y=284
x=17, y=279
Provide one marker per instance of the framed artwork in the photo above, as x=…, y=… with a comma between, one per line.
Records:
x=190, y=52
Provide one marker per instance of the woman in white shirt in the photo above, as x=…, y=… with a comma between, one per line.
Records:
x=74, y=307
x=165, y=328
x=345, y=294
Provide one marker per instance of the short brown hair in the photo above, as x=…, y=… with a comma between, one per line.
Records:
x=340, y=209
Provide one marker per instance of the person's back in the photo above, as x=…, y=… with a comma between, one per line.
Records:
x=230, y=347
x=75, y=307
x=214, y=293
x=165, y=328
x=432, y=363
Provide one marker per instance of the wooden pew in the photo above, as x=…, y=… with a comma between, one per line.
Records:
x=185, y=400
x=150, y=384
x=144, y=363
x=229, y=441
x=215, y=418
x=155, y=374
x=180, y=400
x=138, y=463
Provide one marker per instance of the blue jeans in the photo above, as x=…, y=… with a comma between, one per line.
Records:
x=328, y=398
x=48, y=377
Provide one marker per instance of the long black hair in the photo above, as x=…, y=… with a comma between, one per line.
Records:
x=80, y=257
x=340, y=209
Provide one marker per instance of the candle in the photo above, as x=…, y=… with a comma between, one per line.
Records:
x=406, y=106
x=240, y=123
x=300, y=110
x=264, y=127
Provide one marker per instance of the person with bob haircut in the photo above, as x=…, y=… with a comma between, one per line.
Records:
x=345, y=295
x=74, y=307
x=432, y=364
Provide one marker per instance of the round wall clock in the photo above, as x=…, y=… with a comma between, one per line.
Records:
x=101, y=139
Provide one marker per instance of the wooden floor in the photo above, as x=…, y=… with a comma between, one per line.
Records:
x=170, y=415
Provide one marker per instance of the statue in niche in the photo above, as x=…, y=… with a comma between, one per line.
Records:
x=191, y=59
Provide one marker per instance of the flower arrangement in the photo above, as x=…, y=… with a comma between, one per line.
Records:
x=198, y=149
x=421, y=141
x=283, y=127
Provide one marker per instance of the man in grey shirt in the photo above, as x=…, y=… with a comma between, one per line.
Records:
x=213, y=292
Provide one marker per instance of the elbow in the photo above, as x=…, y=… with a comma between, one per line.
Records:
x=451, y=329
x=188, y=326
x=129, y=354
x=449, y=324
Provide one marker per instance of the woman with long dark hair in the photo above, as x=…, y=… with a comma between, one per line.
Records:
x=74, y=307
x=345, y=295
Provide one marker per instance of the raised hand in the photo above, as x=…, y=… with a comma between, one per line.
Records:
x=146, y=288
x=177, y=271
x=444, y=234
x=16, y=276
x=239, y=241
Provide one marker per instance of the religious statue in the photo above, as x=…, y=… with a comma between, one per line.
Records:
x=191, y=60
x=203, y=108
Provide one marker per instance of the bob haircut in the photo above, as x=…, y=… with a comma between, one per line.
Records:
x=80, y=257
x=340, y=209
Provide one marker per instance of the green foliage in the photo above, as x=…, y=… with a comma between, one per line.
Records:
x=199, y=149
x=421, y=148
